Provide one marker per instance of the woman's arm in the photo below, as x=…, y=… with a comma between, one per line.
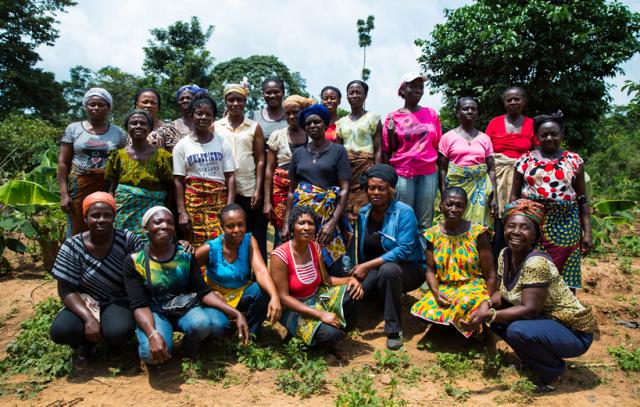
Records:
x=64, y=164
x=491, y=170
x=443, y=168
x=377, y=144
x=284, y=233
x=326, y=232
x=202, y=254
x=487, y=264
x=72, y=300
x=259, y=159
x=265, y=282
x=230, y=181
x=579, y=186
x=268, y=181
x=516, y=186
x=184, y=221
x=213, y=301
x=432, y=279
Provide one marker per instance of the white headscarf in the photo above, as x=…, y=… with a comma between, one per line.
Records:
x=100, y=92
x=152, y=211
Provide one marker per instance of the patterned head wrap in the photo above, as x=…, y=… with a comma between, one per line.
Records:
x=299, y=101
x=237, y=88
x=193, y=89
x=152, y=211
x=384, y=172
x=98, y=197
x=318, y=109
x=525, y=207
x=101, y=93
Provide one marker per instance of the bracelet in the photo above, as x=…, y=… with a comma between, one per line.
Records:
x=493, y=316
x=155, y=331
x=490, y=303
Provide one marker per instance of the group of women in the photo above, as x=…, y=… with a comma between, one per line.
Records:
x=351, y=201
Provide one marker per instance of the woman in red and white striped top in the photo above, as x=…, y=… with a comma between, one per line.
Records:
x=301, y=280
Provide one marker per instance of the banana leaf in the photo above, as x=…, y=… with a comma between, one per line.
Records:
x=19, y=193
x=610, y=207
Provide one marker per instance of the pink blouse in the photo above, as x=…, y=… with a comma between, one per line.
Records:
x=464, y=153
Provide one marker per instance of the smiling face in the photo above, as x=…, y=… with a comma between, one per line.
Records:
x=550, y=136
x=184, y=99
x=272, y=94
x=330, y=100
x=138, y=126
x=520, y=232
x=304, y=228
x=315, y=127
x=100, y=218
x=378, y=192
x=291, y=112
x=356, y=95
x=235, y=104
x=161, y=227
x=453, y=206
x=514, y=101
x=467, y=112
x=234, y=226
x=148, y=101
x=97, y=108
x=202, y=117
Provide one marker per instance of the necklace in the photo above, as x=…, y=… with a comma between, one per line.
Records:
x=316, y=154
x=467, y=136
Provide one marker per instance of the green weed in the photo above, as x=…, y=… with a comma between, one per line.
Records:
x=260, y=358
x=453, y=364
x=305, y=380
x=191, y=370
x=627, y=360
x=389, y=360
x=356, y=388
x=625, y=265
x=460, y=395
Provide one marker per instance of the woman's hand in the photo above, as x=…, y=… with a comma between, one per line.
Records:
x=66, y=203
x=92, y=330
x=184, y=224
x=243, y=329
x=267, y=207
x=188, y=247
x=354, y=288
x=587, y=244
x=326, y=233
x=284, y=234
x=493, y=204
x=442, y=300
x=330, y=318
x=158, y=348
x=477, y=318
x=256, y=198
x=274, y=312
x=360, y=272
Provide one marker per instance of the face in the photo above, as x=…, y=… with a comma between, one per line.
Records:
x=514, y=101
x=330, y=100
x=100, y=218
x=413, y=91
x=235, y=103
x=550, y=136
x=356, y=95
x=184, y=99
x=149, y=102
x=291, y=113
x=202, y=117
x=272, y=94
x=378, y=192
x=234, y=226
x=453, y=207
x=519, y=232
x=304, y=228
x=468, y=112
x=138, y=127
x=97, y=107
x=315, y=127
x=161, y=227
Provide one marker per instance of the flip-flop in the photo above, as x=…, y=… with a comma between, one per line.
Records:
x=628, y=324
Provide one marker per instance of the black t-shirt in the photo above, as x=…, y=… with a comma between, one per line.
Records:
x=372, y=244
x=330, y=166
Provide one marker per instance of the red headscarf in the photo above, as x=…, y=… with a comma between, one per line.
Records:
x=98, y=197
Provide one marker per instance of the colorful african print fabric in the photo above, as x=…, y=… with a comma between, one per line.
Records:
x=474, y=179
x=360, y=163
x=80, y=186
x=324, y=202
x=459, y=275
x=279, y=196
x=131, y=204
x=327, y=299
x=204, y=199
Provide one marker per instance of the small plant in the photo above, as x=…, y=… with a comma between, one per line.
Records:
x=629, y=245
x=460, y=395
x=493, y=363
x=356, y=389
x=388, y=360
x=260, y=358
x=523, y=386
x=453, y=364
x=304, y=380
x=627, y=360
x=191, y=370
x=625, y=265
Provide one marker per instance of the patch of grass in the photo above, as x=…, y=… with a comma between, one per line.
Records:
x=627, y=360
x=523, y=386
x=625, y=265
x=520, y=392
x=629, y=245
x=191, y=370
x=389, y=360
x=304, y=380
x=356, y=388
x=493, y=363
x=453, y=364
x=260, y=358
x=460, y=395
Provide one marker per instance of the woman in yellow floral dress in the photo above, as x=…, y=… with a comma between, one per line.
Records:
x=460, y=268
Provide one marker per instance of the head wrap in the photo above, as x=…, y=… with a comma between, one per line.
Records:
x=193, y=89
x=384, y=172
x=410, y=77
x=100, y=92
x=98, y=197
x=538, y=121
x=152, y=211
x=237, y=88
x=299, y=101
x=318, y=109
x=525, y=207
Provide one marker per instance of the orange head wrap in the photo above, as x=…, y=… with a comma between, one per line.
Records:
x=98, y=197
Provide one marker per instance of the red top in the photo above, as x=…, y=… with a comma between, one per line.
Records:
x=512, y=145
x=330, y=132
x=304, y=279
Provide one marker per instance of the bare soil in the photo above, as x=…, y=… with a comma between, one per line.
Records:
x=114, y=379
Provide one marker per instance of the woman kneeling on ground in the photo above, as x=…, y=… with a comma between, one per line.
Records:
x=318, y=306
x=90, y=282
x=460, y=269
x=166, y=271
x=230, y=260
x=391, y=261
x=534, y=310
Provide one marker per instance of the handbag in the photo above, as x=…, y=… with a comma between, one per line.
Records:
x=176, y=306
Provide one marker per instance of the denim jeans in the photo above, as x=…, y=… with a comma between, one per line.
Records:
x=542, y=343
x=254, y=304
x=419, y=192
x=197, y=324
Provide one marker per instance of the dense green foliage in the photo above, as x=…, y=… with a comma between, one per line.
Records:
x=560, y=51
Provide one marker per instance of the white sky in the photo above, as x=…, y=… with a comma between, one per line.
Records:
x=317, y=39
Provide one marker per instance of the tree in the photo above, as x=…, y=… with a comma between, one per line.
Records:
x=364, y=41
x=177, y=56
x=24, y=26
x=256, y=68
x=560, y=51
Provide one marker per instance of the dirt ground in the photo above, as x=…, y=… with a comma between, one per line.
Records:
x=591, y=379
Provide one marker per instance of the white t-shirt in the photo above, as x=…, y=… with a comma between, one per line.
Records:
x=209, y=161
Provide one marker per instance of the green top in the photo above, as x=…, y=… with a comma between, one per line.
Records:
x=152, y=174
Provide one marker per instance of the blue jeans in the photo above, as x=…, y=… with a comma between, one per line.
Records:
x=419, y=192
x=254, y=304
x=197, y=324
x=542, y=343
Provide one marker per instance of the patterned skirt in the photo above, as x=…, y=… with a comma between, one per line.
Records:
x=81, y=186
x=324, y=202
x=327, y=299
x=279, y=197
x=474, y=179
x=360, y=162
x=465, y=297
x=132, y=203
x=204, y=199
